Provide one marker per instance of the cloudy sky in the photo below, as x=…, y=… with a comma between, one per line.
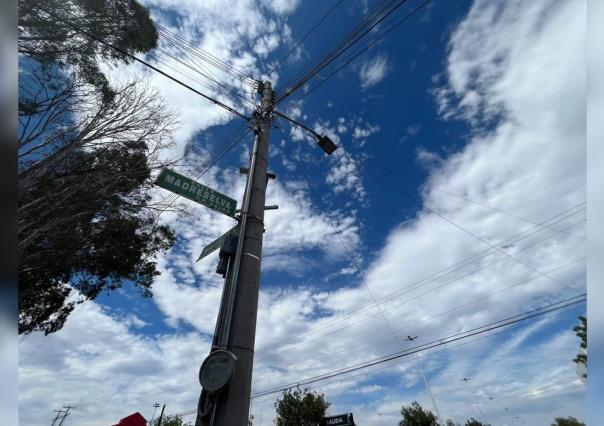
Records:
x=456, y=199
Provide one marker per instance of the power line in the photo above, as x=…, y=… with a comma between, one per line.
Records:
x=314, y=27
x=364, y=49
x=363, y=319
x=434, y=276
x=379, y=13
x=381, y=368
x=145, y=63
x=463, y=343
x=208, y=164
x=464, y=229
x=435, y=343
x=315, y=331
x=392, y=331
x=206, y=56
x=503, y=325
x=222, y=88
x=461, y=197
x=196, y=59
x=347, y=348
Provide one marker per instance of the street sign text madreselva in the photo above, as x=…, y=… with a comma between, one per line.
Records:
x=197, y=192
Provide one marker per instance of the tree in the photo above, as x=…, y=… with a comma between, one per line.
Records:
x=122, y=23
x=87, y=149
x=172, y=421
x=581, y=331
x=567, y=421
x=474, y=422
x=416, y=415
x=85, y=219
x=301, y=408
x=450, y=422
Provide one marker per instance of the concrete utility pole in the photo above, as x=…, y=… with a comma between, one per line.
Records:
x=236, y=326
x=161, y=415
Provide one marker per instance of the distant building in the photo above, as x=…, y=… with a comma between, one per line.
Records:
x=135, y=419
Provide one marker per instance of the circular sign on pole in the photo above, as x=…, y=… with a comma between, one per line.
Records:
x=216, y=370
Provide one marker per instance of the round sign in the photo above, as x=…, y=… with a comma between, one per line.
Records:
x=217, y=370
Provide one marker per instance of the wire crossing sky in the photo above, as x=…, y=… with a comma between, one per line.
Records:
x=455, y=200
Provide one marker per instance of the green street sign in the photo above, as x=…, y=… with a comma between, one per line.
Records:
x=216, y=244
x=197, y=192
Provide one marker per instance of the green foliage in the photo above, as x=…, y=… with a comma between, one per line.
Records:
x=123, y=23
x=581, y=331
x=416, y=415
x=172, y=421
x=567, y=421
x=86, y=152
x=450, y=422
x=474, y=422
x=85, y=220
x=301, y=408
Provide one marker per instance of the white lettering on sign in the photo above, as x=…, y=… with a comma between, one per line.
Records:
x=336, y=421
x=197, y=192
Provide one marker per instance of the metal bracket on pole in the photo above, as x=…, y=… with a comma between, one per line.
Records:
x=246, y=170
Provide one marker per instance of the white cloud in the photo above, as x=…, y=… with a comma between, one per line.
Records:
x=373, y=71
x=362, y=133
x=427, y=159
x=410, y=132
x=227, y=36
x=344, y=176
x=282, y=6
x=98, y=364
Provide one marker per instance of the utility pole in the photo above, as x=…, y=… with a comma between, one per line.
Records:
x=155, y=407
x=161, y=415
x=427, y=383
x=59, y=413
x=62, y=414
x=236, y=326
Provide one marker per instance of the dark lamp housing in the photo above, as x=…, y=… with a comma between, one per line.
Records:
x=326, y=144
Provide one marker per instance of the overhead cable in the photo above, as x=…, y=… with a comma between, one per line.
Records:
x=314, y=27
x=434, y=343
x=141, y=61
x=514, y=239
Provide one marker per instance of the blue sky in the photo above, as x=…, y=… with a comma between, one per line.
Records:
x=458, y=132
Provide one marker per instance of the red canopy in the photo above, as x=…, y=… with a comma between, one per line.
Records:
x=135, y=419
